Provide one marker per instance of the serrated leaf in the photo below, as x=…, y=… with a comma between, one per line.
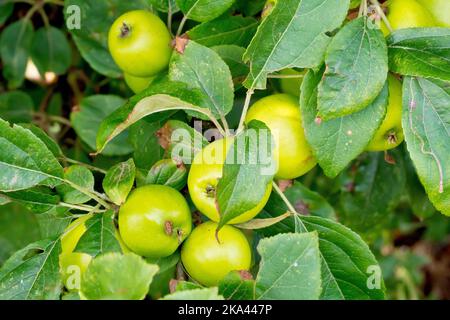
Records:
x=15, y=42
x=16, y=106
x=422, y=52
x=338, y=141
x=299, y=22
x=99, y=237
x=32, y=273
x=232, y=55
x=25, y=160
x=203, y=10
x=169, y=172
x=225, y=30
x=356, y=71
x=80, y=176
x=237, y=286
x=373, y=189
x=426, y=124
x=193, y=67
x=49, y=142
x=245, y=166
x=345, y=258
x=289, y=267
x=119, y=180
x=115, y=276
x=89, y=23
x=50, y=50
x=87, y=119
x=162, y=96
x=195, y=294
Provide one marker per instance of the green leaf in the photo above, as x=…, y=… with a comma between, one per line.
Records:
x=356, y=69
x=143, y=136
x=54, y=222
x=182, y=141
x=87, y=118
x=305, y=201
x=426, y=124
x=195, y=294
x=289, y=267
x=50, y=51
x=293, y=35
x=193, y=67
x=163, y=96
x=18, y=228
x=6, y=9
x=422, y=52
x=32, y=273
x=114, y=276
x=250, y=8
x=49, y=142
x=37, y=199
x=119, y=180
x=165, y=5
x=169, y=172
x=245, y=166
x=237, y=285
x=347, y=264
x=232, y=55
x=203, y=10
x=373, y=189
x=225, y=30
x=16, y=106
x=100, y=236
x=25, y=161
x=80, y=176
x=338, y=141
x=90, y=31
x=15, y=42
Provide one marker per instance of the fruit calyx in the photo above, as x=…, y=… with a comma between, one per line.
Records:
x=125, y=30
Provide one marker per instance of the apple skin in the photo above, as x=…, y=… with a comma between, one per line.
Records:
x=281, y=113
x=154, y=221
x=291, y=85
x=208, y=261
x=390, y=133
x=204, y=175
x=137, y=84
x=140, y=43
x=439, y=9
x=407, y=14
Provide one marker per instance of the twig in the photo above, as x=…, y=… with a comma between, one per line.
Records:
x=248, y=98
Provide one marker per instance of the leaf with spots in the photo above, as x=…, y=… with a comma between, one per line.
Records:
x=289, y=268
x=25, y=161
x=422, y=52
x=338, y=141
x=426, y=124
x=32, y=273
x=193, y=67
